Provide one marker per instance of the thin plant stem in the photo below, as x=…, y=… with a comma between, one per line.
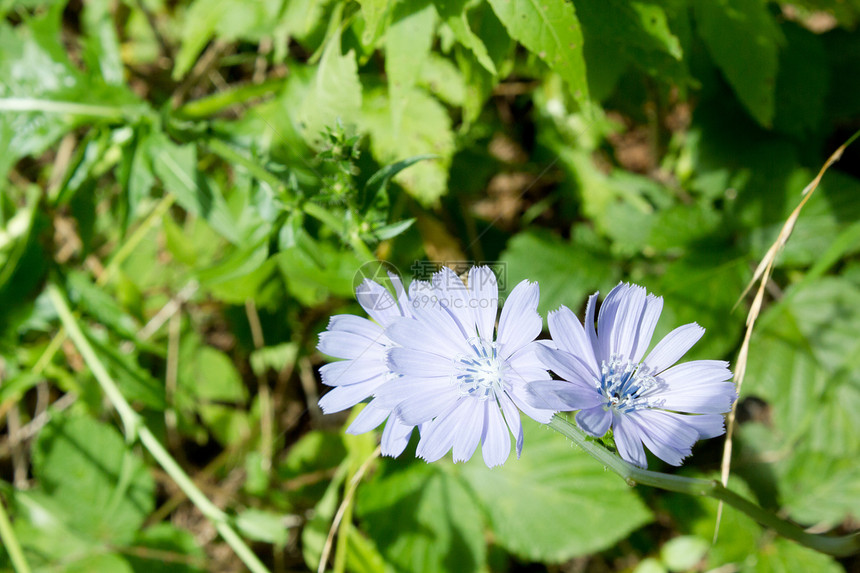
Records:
x=836, y=546
x=135, y=428
x=10, y=542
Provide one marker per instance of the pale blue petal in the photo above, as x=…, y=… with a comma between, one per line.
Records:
x=418, y=334
x=512, y=418
x=697, y=387
x=595, y=421
x=342, y=344
x=519, y=396
x=590, y=333
x=395, y=437
x=650, y=315
x=356, y=325
x=561, y=395
x=628, y=440
x=411, y=362
x=628, y=316
x=673, y=346
x=707, y=425
x=567, y=366
x=390, y=394
x=343, y=397
x=470, y=430
x=484, y=294
x=438, y=436
x=669, y=436
x=377, y=301
x=428, y=403
x=351, y=371
x=453, y=296
x=606, y=321
x=496, y=439
x=569, y=335
x=519, y=323
x=368, y=419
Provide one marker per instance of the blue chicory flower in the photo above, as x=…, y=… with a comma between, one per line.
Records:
x=459, y=377
x=646, y=401
x=363, y=345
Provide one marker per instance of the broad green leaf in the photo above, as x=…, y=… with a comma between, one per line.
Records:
x=261, y=525
x=276, y=357
x=566, y=272
x=176, y=166
x=802, y=84
x=229, y=20
x=165, y=536
x=374, y=12
x=209, y=374
x=421, y=518
x=407, y=46
x=334, y=93
x=43, y=95
x=426, y=129
x=544, y=506
x=89, y=471
x=683, y=553
x=442, y=78
x=743, y=40
x=378, y=182
x=549, y=29
x=314, y=276
x=455, y=14
x=103, y=52
x=104, y=563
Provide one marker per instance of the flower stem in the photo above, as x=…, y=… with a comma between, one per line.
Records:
x=136, y=429
x=10, y=542
x=836, y=546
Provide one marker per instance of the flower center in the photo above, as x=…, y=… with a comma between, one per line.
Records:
x=481, y=374
x=625, y=385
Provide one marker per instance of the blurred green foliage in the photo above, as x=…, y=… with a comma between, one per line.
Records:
x=205, y=179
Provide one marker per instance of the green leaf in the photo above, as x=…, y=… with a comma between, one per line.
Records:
x=374, y=12
x=209, y=374
x=423, y=519
x=426, y=129
x=378, y=182
x=683, y=553
x=167, y=537
x=455, y=14
x=263, y=526
x=743, y=40
x=43, y=95
x=103, y=52
x=407, y=46
x=176, y=166
x=549, y=29
x=544, y=506
x=566, y=272
x=229, y=20
x=87, y=469
x=334, y=93
x=275, y=357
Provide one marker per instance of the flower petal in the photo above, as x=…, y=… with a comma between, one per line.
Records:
x=342, y=344
x=595, y=421
x=390, y=394
x=606, y=319
x=520, y=322
x=697, y=387
x=484, y=295
x=345, y=372
x=647, y=324
x=512, y=418
x=628, y=316
x=590, y=333
x=470, y=430
x=411, y=362
x=343, y=397
x=426, y=404
x=378, y=302
x=496, y=438
x=428, y=332
x=673, y=346
x=369, y=418
x=561, y=395
x=669, y=436
x=356, y=325
x=567, y=365
x=439, y=435
x=395, y=437
x=569, y=335
x=453, y=296
x=628, y=440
